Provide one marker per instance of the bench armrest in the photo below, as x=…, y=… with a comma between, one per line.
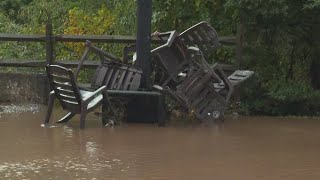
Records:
x=94, y=94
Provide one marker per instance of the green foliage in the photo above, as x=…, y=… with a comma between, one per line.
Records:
x=280, y=43
x=284, y=98
x=12, y=7
x=38, y=12
x=80, y=22
x=312, y=4
x=6, y=25
x=282, y=90
x=179, y=15
x=125, y=17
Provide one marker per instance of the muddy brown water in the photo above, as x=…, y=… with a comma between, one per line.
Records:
x=244, y=148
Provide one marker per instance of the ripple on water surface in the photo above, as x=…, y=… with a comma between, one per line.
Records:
x=63, y=167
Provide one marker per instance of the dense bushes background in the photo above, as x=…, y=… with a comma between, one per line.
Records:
x=281, y=39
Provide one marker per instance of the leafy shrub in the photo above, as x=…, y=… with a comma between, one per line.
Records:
x=283, y=98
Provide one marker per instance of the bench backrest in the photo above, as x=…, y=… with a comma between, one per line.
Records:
x=117, y=77
x=63, y=83
x=203, y=36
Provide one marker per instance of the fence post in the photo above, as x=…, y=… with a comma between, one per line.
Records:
x=239, y=47
x=49, y=42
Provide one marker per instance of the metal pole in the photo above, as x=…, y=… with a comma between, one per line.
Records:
x=49, y=43
x=144, y=13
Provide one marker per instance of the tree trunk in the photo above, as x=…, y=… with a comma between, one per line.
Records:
x=315, y=69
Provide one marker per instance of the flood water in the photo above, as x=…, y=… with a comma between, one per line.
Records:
x=245, y=148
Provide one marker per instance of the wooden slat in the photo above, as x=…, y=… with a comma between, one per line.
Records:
x=202, y=106
x=61, y=78
x=100, y=38
x=22, y=37
x=63, y=86
x=70, y=105
x=65, y=92
x=108, y=77
x=74, y=64
x=195, y=102
x=71, y=38
x=192, y=77
x=196, y=40
x=135, y=83
x=93, y=38
x=58, y=71
x=200, y=84
x=206, y=40
x=187, y=40
x=115, y=78
x=127, y=81
x=236, y=78
x=121, y=77
x=42, y=63
x=68, y=98
x=17, y=63
x=101, y=76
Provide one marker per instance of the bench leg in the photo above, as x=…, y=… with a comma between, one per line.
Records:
x=83, y=115
x=161, y=111
x=105, y=106
x=104, y=113
x=50, y=108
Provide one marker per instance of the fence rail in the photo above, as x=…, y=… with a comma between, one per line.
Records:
x=49, y=39
x=93, y=38
x=69, y=38
x=42, y=63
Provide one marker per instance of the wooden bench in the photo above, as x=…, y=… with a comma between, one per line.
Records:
x=123, y=81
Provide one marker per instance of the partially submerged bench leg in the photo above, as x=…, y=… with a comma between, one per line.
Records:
x=66, y=118
x=83, y=115
x=105, y=107
x=161, y=111
x=50, y=107
x=104, y=118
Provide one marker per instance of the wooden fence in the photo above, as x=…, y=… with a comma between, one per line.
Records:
x=49, y=39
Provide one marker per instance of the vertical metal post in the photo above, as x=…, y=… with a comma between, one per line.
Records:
x=145, y=108
x=49, y=43
x=144, y=13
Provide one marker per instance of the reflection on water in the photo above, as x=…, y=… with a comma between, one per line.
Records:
x=244, y=148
